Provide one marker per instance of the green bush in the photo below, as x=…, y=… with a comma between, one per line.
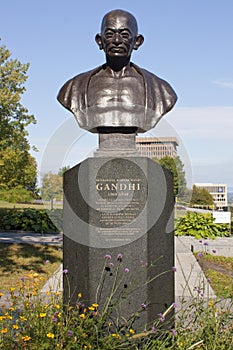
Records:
x=200, y=226
x=16, y=195
x=29, y=220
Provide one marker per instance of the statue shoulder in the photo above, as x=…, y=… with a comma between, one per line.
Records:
x=158, y=90
x=75, y=85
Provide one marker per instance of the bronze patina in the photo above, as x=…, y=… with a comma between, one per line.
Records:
x=118, y=97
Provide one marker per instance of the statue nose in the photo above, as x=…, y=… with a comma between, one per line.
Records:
x=117, y=39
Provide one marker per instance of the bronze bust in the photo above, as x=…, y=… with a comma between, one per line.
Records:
x=119, y=94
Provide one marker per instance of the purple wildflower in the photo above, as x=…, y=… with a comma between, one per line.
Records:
x=54, y=319
x=108, y=257
x=162, y=318
x=143, y=305
x=200, y=254
x=47, y=261
x=214, y=251
x=206, y=243
x=111, y=264
x=119, y=257
x=65, y=271
x=200, y=241
x=60, y=239
x=69, y=333
x=22, y=279
x=174, y=305
x=153, y=329
x=174, y=269
x=126, y=270
x=174, y=332
x=208, y=280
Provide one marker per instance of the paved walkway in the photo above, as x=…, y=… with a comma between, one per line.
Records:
x=30, y=238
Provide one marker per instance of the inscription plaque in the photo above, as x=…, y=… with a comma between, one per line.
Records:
x=119, y=200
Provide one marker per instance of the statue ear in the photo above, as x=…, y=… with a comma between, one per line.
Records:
x=98, y=40
x=139, y=41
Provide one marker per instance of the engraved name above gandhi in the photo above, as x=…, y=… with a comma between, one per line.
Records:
x=131, y=186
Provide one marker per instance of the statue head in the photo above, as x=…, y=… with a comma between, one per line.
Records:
x=119, y=34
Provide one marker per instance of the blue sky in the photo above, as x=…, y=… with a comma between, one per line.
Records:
x=188, y=43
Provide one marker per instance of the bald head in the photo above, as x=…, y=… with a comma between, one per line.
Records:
x=115, y=16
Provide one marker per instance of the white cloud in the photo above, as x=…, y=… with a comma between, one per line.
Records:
x=225, y=84
x=207, y=133
x=205, y=123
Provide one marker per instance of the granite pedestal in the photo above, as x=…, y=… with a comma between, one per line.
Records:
x=118, y=231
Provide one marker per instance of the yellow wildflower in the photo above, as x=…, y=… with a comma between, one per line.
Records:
x=11, y=308
x=12, y=289
x=2, y=318
x=9, y=317
x=82, y=316
x=95, y=305
x=91, y=308
x=1, y=295
x=35, y=275
x=42, y=314
x=131, y=331
x=79, y=295
x=57, y=293
x=211, y=303
x=4, y=330
x=57, y=306
x=25, y=338
x=15, y=326
x=23, y=318
x=48, y=292
x=50, y=335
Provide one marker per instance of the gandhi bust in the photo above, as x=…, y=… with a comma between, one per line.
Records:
x=119, y=94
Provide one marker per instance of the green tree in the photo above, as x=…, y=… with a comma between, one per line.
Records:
x=62, y=170
x=201, y=196
x=51, y=187
x=176, y=166
x=17, y=166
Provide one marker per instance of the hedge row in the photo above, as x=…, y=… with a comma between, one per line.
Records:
x=33, y=220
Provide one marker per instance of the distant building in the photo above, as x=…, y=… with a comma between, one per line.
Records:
x=157, y=147
x=218, y=192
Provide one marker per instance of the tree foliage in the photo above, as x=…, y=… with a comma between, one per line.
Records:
x=176, y=166
x=51, y=186
x=201, y=196
x=17, y=166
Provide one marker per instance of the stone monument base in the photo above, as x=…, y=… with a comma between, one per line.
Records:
x=118, y=237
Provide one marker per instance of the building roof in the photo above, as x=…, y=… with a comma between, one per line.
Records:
x=161, y=139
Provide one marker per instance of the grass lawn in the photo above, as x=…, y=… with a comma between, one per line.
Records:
x=219, y=270
x=23, y=260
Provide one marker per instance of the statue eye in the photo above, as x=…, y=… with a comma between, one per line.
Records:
x=108, y=35
x=125, y=35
